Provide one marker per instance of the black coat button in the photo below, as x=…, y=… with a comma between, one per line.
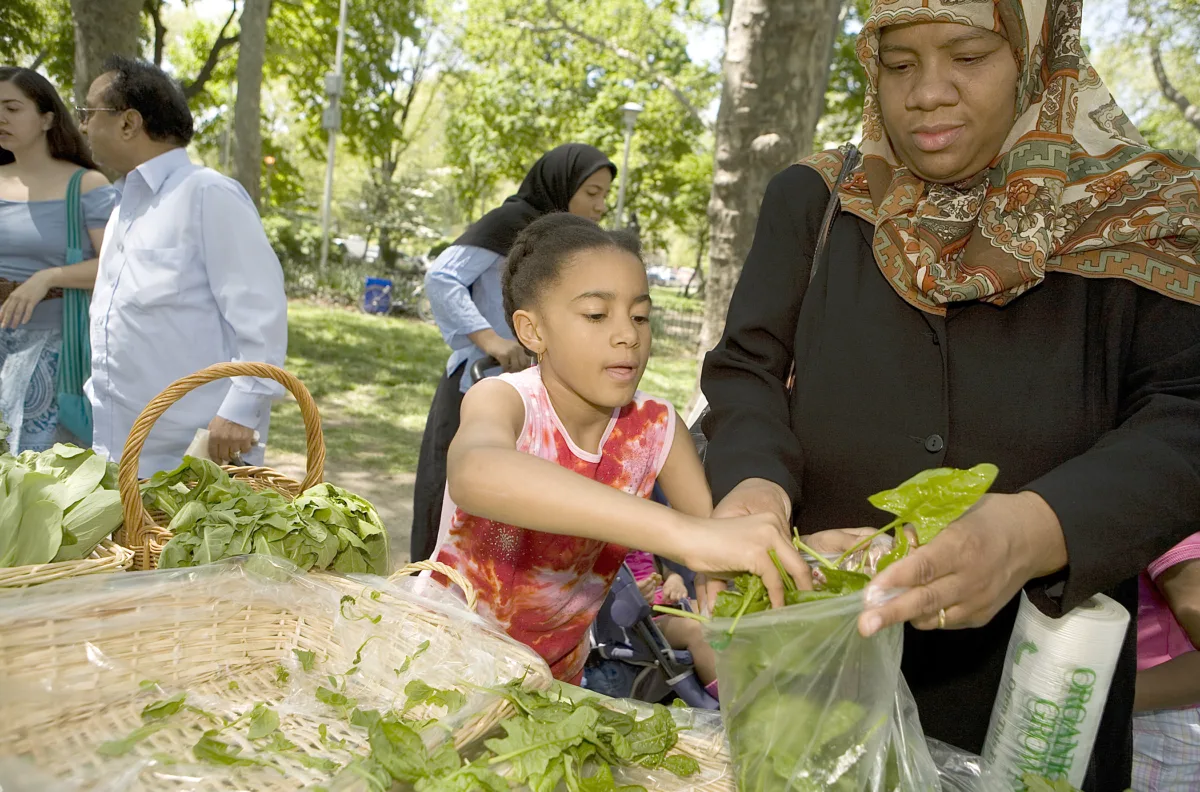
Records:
x=934, y=443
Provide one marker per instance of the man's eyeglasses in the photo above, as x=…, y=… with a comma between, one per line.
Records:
x=84, y=113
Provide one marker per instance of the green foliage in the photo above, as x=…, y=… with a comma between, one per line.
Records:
x=524, y=84
x=1126, y=66
x=39, y=31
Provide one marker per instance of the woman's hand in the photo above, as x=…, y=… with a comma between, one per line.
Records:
x=756, y=496
x=18, y=308
x=674, y=589
x=972, y=568
x=707, y=590
x=726, y=547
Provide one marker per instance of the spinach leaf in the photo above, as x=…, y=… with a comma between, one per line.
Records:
x=263, y=722
x=306, y=658
x=164, y=709
x=418, y=693
x=209, y=749
x=932, y=499
x=125, y=744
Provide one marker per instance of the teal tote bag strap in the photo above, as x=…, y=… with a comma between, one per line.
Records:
x=75, y=358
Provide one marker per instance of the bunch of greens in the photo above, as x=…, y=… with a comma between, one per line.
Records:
x=56, y=505
x=214, y=516
x=799, y=693
x=929, y=501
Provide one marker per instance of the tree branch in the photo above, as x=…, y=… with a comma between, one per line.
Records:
x=153, y=8
x=616, y=49
x=41, y=57
x=1191, y=113
x=193, y=88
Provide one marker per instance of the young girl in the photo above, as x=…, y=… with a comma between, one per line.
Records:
x=538, y=512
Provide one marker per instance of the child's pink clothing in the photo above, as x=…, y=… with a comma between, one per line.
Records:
x=546, y=589
x=642, y=565
x=1160, y=638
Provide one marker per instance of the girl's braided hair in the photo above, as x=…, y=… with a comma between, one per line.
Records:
x=540, y=251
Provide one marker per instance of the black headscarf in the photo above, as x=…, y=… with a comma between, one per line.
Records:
x=548, y=187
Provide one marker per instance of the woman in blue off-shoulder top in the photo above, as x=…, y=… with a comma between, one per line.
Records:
x=41, y=151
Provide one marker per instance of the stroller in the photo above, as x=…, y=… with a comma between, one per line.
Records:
x=630, y=657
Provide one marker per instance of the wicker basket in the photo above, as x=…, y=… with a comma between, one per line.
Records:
x=107, y=557
x=143, y=531
x=73, y=659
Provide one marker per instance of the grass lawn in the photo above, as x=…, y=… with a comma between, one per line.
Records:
x=373, y=378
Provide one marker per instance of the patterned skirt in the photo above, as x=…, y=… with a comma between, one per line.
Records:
x=1166, y=750
x=28, y=392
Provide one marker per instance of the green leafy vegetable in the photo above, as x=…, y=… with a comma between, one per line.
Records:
x=164, y=709
x=209, y=749
x=54, y=505
x=126, y=744
x=403, y=669
x=419, y=693
x=263, y=722
x=214, y=516
x=306, y=658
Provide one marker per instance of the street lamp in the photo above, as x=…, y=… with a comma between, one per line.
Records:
x=631, y=111
x=269, y=161
x=331, y=121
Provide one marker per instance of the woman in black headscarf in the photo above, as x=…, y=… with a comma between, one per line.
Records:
x=464, y=288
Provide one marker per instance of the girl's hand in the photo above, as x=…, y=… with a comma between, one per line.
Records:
x=647, y=585
x=18, y=308
x=674, y=589
x=725, y=548
x=972, y=568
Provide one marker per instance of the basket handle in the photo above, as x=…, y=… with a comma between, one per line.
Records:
x=127, y=474
x=450, y=572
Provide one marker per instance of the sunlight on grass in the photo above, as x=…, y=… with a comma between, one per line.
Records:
x=373, y=377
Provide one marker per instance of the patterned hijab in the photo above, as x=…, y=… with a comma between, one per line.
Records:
x=1074, y=189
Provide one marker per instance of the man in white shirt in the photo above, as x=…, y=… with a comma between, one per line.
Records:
x=187, y=279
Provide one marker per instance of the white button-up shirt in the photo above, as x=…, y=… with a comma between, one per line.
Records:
x=187, y=279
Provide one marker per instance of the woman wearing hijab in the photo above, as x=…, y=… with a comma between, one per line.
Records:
x=464, y=289
x=1013, y=278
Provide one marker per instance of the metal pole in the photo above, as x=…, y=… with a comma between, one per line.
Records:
x=334, y=100
x=624, y=177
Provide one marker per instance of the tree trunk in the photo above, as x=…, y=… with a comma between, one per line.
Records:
x=247, y=112
x=102, y=28
x=776, y=68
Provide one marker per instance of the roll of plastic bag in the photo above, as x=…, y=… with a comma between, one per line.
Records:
x=1057, y=674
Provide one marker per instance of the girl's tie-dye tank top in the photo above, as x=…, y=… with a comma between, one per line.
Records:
x=546, y=589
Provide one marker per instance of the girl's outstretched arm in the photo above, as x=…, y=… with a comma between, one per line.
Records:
x=489, y=478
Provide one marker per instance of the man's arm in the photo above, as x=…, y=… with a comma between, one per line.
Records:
x=247, y=283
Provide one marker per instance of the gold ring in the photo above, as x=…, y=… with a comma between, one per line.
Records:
x=941, y=618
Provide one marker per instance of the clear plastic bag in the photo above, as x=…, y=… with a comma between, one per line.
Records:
x=82, y=659
x=962, y=771
x=809, y=704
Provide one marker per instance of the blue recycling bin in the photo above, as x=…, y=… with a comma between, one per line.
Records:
x=377, y=295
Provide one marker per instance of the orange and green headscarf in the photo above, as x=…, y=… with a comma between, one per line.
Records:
x=1074, y=189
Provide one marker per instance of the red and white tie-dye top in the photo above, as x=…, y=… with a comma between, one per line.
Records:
x=546, y=589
